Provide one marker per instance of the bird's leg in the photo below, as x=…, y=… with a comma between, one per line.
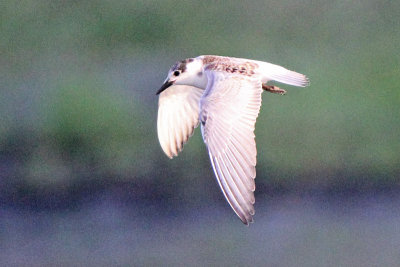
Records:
x=273, y=89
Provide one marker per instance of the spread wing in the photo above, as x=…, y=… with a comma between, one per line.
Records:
x=228, y=112
x=280, y=74
x=178, y=115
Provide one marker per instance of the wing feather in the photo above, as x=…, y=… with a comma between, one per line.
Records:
x=228, y=111
x=280, y=74
x=178, y=116
x=239, y=170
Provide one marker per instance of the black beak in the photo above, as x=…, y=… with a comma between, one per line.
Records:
x=164, y=86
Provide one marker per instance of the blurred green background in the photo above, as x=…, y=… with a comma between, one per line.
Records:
x=83, y=179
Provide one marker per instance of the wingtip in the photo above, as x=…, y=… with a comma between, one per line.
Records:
x=302, y=80
x=168, y=153
x=248, y=218
x=306, y=81
x=247, y=222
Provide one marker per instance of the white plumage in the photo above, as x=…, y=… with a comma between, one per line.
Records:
x=178, y=116
x=224, y=94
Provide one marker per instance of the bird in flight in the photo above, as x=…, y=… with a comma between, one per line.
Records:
x=224, y=95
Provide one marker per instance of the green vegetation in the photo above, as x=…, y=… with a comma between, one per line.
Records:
x=78, y=82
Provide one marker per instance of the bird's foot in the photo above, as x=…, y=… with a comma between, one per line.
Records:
x=273, y=89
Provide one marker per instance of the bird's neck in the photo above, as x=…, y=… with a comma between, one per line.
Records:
x=200, y=80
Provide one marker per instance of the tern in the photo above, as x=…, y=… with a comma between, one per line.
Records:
x=224, y=95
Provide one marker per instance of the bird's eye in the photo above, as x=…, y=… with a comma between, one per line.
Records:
x=176, y=73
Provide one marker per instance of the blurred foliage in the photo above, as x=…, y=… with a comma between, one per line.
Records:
x=78, y=82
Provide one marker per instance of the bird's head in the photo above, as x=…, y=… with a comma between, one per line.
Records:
x=185, y=72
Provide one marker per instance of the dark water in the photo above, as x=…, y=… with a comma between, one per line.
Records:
x=288, y=231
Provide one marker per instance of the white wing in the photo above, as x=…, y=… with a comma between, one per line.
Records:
x=277, y=73
x=228, y=112
x=178, y=115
